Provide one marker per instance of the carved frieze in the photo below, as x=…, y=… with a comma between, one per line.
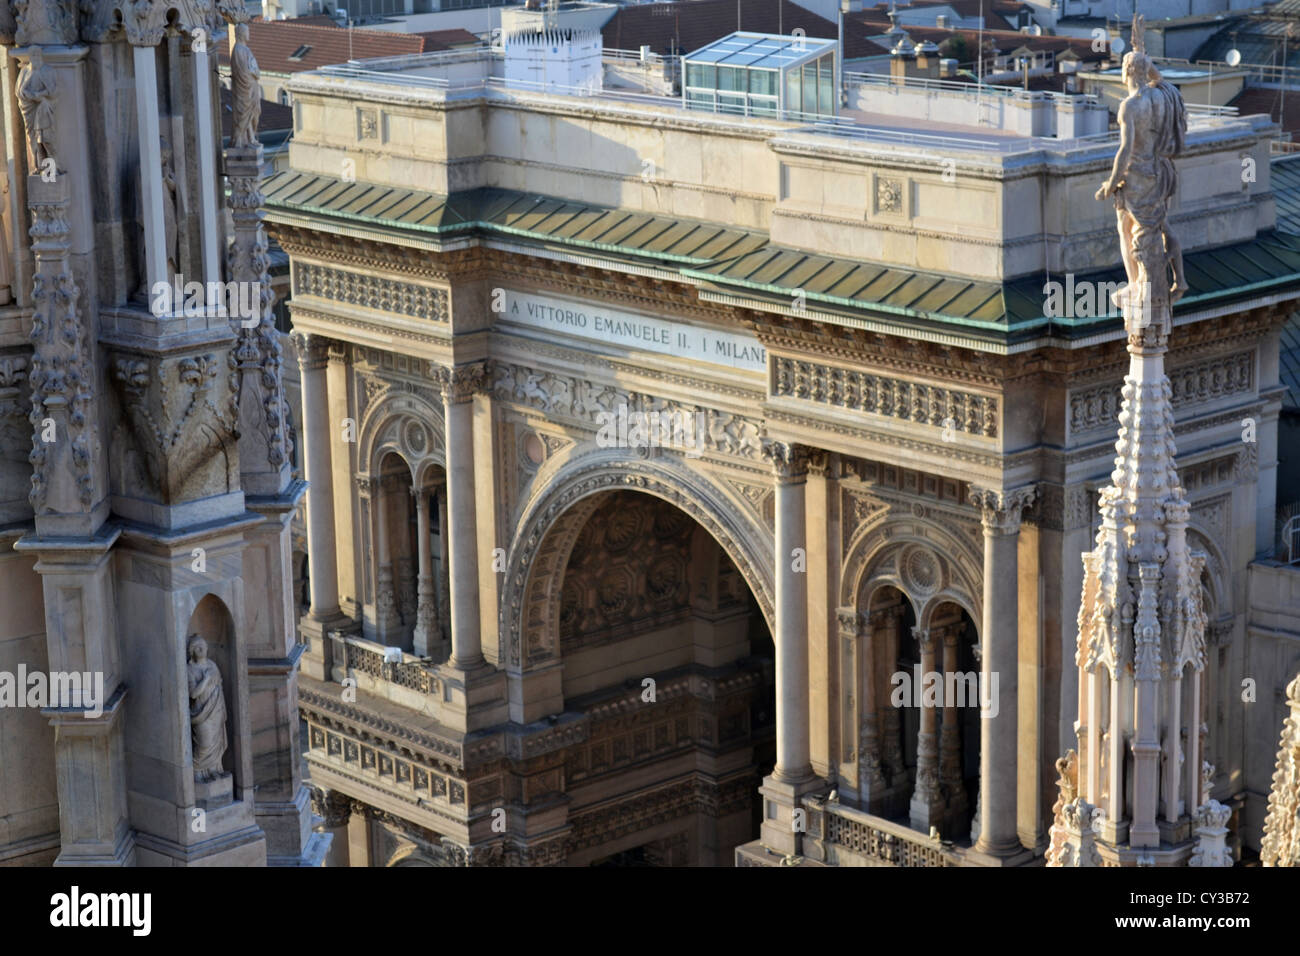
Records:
x=937, y=406
x=1195, y=384
x=582, y=401
x=371, y=291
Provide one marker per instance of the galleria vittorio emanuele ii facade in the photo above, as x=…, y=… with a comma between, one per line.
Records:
x=652, y=461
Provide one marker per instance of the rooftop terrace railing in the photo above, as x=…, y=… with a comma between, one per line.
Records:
x=1259, y=74
x=957, y=86
x=399, y=71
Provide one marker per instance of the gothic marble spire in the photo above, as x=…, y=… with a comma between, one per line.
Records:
x=1141, y=621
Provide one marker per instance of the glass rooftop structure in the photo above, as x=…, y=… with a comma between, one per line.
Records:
x=757, y=74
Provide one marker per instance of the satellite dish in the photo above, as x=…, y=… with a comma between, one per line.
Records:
x=1233, y=57
x=1036, y=30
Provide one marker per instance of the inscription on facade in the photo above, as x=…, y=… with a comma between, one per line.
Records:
x=598, y=323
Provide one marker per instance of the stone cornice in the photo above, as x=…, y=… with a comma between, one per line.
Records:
x=444, y=752
x=865, y=433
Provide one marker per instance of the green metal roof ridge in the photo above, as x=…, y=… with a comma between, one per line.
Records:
x=1015, y=298
x=470, y=221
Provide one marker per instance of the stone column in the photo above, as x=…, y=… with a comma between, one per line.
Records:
x=871, y=776
x=209, y=210
x=792, y=751
x=891, y=746
x=926, y=807
x=443, y=583
x=459, y=384
x=313, y=358
x=335, y=810
x=385, y=599
x=428, y=635
x=793, y=775
x=151, y=184
x=1000, y=513
x=951, y=781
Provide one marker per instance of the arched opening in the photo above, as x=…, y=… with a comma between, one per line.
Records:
x=411, y=607
x=663, y=643
x=963, y=699
x=893, y=653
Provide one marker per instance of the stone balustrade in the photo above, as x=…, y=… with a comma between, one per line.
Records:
x=841, y=836
x=408, y=681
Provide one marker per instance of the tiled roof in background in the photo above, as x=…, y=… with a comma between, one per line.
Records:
x=275, y=117
x=994, y=18
x=289, y=46
x=698, y=23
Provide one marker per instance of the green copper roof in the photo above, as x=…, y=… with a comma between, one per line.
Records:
x=743, y=262
x=1286, y=191
x=503, y=212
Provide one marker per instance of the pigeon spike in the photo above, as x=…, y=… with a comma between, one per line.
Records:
x=1138, y=35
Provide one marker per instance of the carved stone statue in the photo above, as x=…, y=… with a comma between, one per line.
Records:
x=36, y=90
x=1153, y=126
x=207, y=711
x=246, y=93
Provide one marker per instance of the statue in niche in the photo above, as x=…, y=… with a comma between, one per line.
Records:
x=246, y=92
x=207, y=711
x=36, y=91
x=1153, y=127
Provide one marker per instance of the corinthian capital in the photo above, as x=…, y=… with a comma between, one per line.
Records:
x=313, y=350
x=460, y=383
x=789, y=461
x=924, y=639
x=1000, y=510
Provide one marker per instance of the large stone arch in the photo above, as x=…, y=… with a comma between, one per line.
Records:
x=563, y=501
x=927, y=563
